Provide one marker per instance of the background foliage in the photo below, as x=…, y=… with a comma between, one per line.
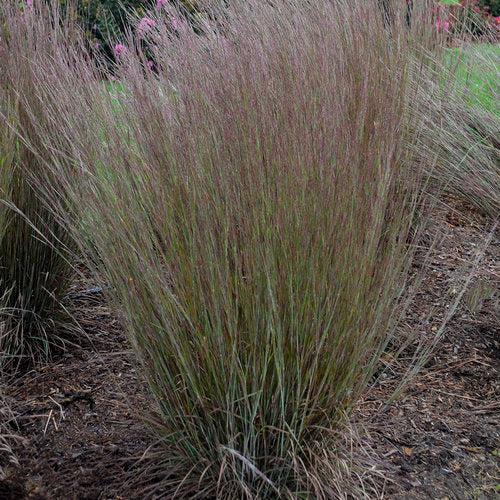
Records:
x=105, y=19
x=492, y=5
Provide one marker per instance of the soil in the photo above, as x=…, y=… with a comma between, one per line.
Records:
x=83, y=438
x=441, y=439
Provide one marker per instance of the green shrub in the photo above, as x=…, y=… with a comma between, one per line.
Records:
x=105, y=20
x=493, y=6
x=108, y=21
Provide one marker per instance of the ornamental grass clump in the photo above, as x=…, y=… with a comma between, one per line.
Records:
x=459, y=137
x=459, y=146
x=250, y=200
x=34, y=269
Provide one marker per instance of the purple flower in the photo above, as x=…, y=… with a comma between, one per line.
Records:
x=29, y=3
x=119, y=50
x=161, y=3
x=145, y=24
x=442, y=25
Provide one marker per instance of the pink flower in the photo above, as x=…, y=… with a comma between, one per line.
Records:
x=150, y=64
x=497, y=20
x=145, y=24
x=442, y=25
x=161, y=3
x=119, y=50
x=29, y=3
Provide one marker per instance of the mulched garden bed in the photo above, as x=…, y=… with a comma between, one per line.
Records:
x=83, y=438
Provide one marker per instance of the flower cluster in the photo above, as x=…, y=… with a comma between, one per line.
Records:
x=145, y=25
x=119, y=50
x=442, y=25
x=470, y=15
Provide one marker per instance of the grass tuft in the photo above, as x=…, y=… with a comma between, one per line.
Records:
x=34, y=269
x=249, y=192
x=250, y=202
x=459, y=140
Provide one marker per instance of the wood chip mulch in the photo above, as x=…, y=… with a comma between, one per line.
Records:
x=82, y=434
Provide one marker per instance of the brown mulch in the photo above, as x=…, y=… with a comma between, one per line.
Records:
x=441, y=439
x=83, y=437
x=80, y=417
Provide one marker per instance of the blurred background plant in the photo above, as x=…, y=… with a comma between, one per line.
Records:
x=108, y=20
x=491, y=6
x=105, y=21
x=474, y=18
